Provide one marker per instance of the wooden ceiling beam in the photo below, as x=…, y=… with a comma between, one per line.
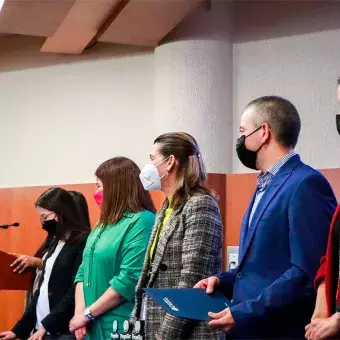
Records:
x=81, y=25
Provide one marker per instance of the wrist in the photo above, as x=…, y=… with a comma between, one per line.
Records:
x=88, y=315
x=40, y=263
x=79, y=310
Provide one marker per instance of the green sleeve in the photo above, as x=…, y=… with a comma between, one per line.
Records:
x=132, y=259
x=80, y=274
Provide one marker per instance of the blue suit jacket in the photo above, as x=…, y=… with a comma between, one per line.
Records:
x=279, y=254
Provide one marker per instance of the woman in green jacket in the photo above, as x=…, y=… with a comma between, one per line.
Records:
x=114, y=252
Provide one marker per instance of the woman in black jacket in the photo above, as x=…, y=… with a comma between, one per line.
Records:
x=52, y=306
x=32, y=263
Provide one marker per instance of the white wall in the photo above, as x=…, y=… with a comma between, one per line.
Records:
x=59, y=122
x=61, y=116
x=293, y=51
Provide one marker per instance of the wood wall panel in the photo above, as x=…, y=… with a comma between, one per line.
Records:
x=17, y=204
x=240, y=189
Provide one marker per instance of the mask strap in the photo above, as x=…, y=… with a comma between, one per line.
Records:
x=253, y=132
x=164, y=160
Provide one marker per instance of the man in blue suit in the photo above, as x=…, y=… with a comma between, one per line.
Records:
x=284, y=231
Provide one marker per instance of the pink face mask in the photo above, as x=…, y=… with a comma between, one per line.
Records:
x=98, y=197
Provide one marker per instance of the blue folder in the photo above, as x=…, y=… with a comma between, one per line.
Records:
x=189, y=303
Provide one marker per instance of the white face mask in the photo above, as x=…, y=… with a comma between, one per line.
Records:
x=150, y=177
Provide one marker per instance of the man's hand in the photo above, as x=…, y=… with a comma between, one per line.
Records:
x=209, y=284
x=222, y=320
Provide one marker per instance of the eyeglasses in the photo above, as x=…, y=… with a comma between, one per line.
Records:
x=44, y=217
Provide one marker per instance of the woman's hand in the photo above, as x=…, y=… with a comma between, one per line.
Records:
x=78, y=321
x=320, y=311
x=24, y=261
x=80, y=333
x=9, y=335
x=323, y=328
x=39, y=334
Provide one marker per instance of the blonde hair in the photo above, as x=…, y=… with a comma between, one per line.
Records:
x=190, y=174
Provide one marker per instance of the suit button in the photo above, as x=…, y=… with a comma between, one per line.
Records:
x=239, y=275
x=163, y=267
x=49, y=294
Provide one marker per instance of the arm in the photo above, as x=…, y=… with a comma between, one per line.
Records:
x=321, y=274
x=321, y=310
x=201, y=250
x=227, y=282
x=64, y=310
x=314, y=199
x=109, y=300
x=79, y=297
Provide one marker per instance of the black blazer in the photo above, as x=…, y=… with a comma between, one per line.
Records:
x=61, y=291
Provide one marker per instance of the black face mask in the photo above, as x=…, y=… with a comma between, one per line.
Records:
x=247, y=157
x=50, y=226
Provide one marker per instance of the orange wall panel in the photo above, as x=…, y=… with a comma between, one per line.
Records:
x=17, y=205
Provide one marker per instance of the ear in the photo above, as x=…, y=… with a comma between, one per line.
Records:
x=265, y=131
x=171, y=163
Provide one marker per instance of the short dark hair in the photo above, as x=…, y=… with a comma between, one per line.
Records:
x=281, y=116
x=123, y=190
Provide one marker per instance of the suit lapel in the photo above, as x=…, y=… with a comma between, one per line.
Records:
x=273, y=188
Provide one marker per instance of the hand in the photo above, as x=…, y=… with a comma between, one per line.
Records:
x=24, y=261
x=209, y=284
x=80, y=333
x=9, y=335
x=323, y=328
x=78, y=321
x=222, y=320
x=157, y=337
x=39, y=334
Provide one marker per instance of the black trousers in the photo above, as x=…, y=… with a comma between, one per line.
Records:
x=60, y=337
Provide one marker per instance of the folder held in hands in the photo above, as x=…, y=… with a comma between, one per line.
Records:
x=189, y=303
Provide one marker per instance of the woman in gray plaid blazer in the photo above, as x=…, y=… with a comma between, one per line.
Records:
x=186, y=242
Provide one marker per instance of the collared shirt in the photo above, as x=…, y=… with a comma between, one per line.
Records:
x=265, y=178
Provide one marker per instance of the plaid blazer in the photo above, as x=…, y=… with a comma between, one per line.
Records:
x=189, y=249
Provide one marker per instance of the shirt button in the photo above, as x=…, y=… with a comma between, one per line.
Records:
x=239, y=275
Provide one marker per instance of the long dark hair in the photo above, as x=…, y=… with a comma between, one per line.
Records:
x=123, y=190
x=82, y=206
x=62, y=203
